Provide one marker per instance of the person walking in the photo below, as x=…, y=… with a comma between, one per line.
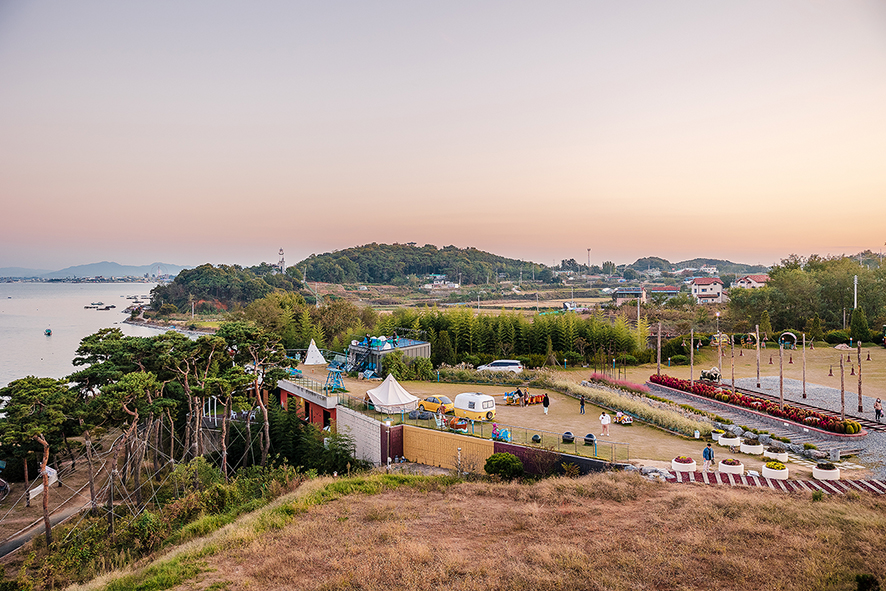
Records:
x=708, y=455
x=581, y=404
x=605, y=419
x=545, y=402
x=878, y=409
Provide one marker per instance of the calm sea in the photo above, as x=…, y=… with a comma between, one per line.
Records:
x=27, y=309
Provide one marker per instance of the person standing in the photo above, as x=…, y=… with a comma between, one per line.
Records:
x=708, y=455
x=878, y=409
x=581, y=404
x=545, y=402
x=605, y=419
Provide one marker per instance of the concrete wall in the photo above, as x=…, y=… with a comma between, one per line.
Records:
x=365, y=431
x=436, y=448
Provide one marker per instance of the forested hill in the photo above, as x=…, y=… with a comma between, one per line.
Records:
x=394, y=263
x=722, y=265
x=222, y=286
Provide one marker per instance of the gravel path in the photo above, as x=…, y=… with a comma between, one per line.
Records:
x=829, y=398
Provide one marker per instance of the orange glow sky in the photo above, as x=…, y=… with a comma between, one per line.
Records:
x=219, y=132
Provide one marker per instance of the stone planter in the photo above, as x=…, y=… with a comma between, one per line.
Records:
x=727, y=441
x=681, y=467
x=716, y=436
x=754, y=450
x=820, y=474
x=775, y=474
x=781, y=456
x=726, y=469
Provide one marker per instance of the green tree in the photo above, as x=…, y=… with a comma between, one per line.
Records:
x=765, y=325
x=443, y=352
x=858, y=327
x=35, y=411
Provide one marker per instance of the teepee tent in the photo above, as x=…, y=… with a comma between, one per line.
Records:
x=391, y=397
x=313, y=356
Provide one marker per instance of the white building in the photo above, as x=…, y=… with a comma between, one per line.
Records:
x=708, y=290
x=752, y=281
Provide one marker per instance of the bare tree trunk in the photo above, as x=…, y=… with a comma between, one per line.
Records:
x=27, y=481
x=225, y=420
x=248, y=436
x=46, y=521
x=171, y=435
x=187, y=445
x=155, y=438
x=87, y=437
x=266, y=430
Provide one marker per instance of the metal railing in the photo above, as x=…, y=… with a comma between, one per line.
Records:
x=312, y=385
x=610, y=451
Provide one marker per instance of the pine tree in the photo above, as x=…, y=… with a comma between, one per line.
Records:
x=858, y=327
x=765, y=326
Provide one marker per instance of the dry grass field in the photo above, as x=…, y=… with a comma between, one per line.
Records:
x=608, y=531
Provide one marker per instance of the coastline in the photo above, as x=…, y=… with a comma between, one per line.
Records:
x=166, y=326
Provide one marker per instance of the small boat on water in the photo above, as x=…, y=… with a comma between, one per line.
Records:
x=98, y=303
x=48, y=332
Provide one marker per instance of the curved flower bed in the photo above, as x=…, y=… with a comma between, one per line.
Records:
x=791, y=413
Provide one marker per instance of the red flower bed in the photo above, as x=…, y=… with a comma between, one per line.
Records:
x=791, y=413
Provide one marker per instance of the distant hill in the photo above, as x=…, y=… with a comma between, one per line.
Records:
x=21, y=272
x=109, y=269
x=393, y=263
x=723, y=266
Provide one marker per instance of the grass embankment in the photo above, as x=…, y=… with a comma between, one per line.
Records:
x=605, y=531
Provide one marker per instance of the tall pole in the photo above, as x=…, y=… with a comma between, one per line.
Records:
x=757, y=328
x=842, y=392
x=804, y=365
x=860, y=405
x=780, y=374
x=855, y=290
x=658, y=362
x=691, y=354
x=732, y=349
x=719, y=346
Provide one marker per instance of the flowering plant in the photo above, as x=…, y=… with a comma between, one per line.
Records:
x=775, y=465
x=774, y=450
x=770, y=407
x=730, y=462
x=751, y=442
x=683, y=460
x=826, y=466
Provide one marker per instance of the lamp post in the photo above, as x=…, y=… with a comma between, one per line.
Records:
x=388, y=425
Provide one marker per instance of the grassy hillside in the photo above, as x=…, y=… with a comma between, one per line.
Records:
x=606, y=531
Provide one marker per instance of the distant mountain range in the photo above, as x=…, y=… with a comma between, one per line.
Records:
x=103, y=269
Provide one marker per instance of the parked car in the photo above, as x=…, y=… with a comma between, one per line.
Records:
x=432, y=403
x=476, y=406
x=502, y=365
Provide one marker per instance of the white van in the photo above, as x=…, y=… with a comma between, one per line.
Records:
x=503, y=365
x=476, y=406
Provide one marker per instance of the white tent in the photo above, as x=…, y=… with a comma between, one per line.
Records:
x=391, y=397
x=313, y=356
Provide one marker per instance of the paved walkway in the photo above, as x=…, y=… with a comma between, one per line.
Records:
x=831, y=487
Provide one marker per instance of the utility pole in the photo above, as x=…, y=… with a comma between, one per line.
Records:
x=842, y=391
x=860, y=405
x=804, y=365
x=658, y=364
x=691, y=355
x=855, y=287
x=732, y=349
x=757, y=329
x=780, y=374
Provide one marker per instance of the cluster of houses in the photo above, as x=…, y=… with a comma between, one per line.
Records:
x=705, y=290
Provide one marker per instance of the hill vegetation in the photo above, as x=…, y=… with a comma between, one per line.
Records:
x=395, y=263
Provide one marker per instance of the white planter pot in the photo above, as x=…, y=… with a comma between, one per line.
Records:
x=775, y=474
x=820, y=474
x=731, y=469
x=680, y=467
x=754, y=450
x=781, y=456
x=716, y=436
x=728, y=441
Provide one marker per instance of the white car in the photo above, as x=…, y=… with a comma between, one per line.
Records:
x=502, y=365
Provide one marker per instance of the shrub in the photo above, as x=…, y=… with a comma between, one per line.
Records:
x=505, y=465
x=680, y=360
x=835, y=337
x=775, y=465
x=730, y=462
x=750, y=442
x=809, y=446
x=826, y=466
x=626, y=360
x=773, y=450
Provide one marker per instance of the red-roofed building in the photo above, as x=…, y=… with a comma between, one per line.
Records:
x=752, y=281
x=708, y=290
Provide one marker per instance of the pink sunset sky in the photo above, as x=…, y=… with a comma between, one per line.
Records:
x=200, y=131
